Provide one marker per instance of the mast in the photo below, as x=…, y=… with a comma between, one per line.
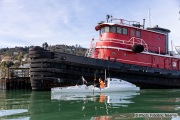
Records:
x=105, y=74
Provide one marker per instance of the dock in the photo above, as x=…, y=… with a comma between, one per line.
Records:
x=15, y=79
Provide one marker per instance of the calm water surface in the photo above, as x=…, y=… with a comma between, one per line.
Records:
x=142, y=105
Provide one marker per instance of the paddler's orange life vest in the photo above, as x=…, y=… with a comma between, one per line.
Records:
x=102, y=84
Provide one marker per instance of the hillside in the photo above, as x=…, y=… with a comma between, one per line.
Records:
x=14, y=57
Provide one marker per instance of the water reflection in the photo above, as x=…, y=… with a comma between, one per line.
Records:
x=14, y=105
x=32, y=105
x=88, y=105
x=11, y=112
x=113, y=99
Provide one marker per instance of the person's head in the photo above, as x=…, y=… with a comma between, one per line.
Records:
x=100, y=79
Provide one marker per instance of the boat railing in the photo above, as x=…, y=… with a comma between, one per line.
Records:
x=130, y=42
x=135, y=40
x=127, y=22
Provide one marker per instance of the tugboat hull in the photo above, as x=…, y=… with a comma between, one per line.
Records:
x=55, y=69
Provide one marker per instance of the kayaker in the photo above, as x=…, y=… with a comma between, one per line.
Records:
x=102, y=85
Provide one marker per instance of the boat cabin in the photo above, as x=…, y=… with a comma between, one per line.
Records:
x=125, y=33
x=114, y=82
x=130, y=42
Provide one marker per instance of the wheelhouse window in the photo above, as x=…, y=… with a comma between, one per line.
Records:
x=106, y=29
x=119, y=30
x=132, y=32
x=112, y=29
x=102, y=30
x=138, y=33
x=125, y=31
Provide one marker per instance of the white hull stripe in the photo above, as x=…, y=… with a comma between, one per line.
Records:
x=118, y=48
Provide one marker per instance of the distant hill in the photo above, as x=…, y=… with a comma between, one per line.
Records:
x=74, y=49
x=17, y=53
x=11, y=51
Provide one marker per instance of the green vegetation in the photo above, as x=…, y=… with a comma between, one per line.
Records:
x=74, y=49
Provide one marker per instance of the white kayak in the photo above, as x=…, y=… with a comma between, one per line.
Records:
x=113, y=85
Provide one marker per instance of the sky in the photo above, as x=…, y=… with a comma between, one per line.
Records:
x=33, y=22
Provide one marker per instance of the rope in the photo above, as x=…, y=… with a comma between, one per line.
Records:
x=78, y=80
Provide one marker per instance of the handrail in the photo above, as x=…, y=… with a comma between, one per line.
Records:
x=126, y=22
x=130, y=42
x=139, y=41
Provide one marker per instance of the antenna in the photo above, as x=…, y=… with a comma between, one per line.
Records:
x=149, y=17
x=107, y=18
x=111, y=18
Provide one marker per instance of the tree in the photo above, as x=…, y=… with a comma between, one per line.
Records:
x=20, y=56
x=6, y=64
x=9, y=64
x=3, y=64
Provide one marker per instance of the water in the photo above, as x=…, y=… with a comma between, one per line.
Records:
x=143, y=105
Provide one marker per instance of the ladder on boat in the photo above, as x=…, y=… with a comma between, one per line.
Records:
x=90, y=51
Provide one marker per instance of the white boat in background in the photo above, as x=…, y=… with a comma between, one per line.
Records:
x=113, y=85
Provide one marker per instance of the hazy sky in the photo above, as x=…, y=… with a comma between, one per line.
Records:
x=33, y=22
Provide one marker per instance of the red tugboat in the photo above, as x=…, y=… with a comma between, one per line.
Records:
x=126, y=49
x=128, y=42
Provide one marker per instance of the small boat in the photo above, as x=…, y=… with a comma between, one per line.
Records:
x=113, y=85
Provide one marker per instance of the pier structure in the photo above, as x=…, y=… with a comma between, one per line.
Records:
x=15, y=79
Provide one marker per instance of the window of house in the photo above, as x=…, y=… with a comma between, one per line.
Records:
x=125, y=31
x=138, y=34
x=119, y=30
x=112, y=29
